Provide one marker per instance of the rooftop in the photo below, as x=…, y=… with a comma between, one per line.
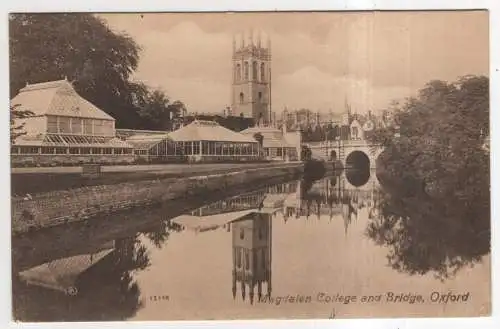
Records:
x=273, y=137
x=56, y=98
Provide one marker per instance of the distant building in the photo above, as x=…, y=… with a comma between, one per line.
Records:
x=278, y=144
x=251, y=93
x=64, y=128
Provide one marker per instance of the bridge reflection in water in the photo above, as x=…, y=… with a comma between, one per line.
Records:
x=231, y=241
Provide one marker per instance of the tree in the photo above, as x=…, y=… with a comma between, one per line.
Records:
x=436, y=204
x=17, y=127
x=156, y=111
x=81, y=47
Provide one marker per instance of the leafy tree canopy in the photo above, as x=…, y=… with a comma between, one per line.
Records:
x=99, y=62
x=435, y=211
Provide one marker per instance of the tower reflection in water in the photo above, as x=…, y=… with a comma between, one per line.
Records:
x=252, y=234
x=252, y=250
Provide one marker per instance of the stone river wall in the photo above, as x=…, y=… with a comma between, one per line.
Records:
x=66, y=206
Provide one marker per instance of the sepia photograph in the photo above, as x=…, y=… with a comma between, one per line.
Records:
x=249, y=165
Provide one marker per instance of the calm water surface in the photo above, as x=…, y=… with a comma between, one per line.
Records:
x=300, y=249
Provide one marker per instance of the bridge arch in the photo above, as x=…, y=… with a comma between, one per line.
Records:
x=358, y=159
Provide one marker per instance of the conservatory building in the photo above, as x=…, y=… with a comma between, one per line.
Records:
x=208, y=141
x=199, y=141
x=64, y=128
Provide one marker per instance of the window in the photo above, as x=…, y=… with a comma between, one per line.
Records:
x=74, y=150
x=84, y=150
x=242, y=233
x=238, y=257
x=52, y=124
x=14, y=150
x=76, y=126
x=96, y=150
x=60, y=150
x=247, y=260
x=64, y=126
x=204, y=148
x=263, y=258
x=242, y=98
x=255, y=68
x=212, y=148
x=262, y=72
x=107, y=151
x=87, y=126
x=237, y=72
x=196, y=147
x=29, y=150
x=48, y=150
x=260, y=96
x=179, y=148
x=188, y=148
x=98, y=127
x=355, y=132
x=246, y=70
x=279, y=151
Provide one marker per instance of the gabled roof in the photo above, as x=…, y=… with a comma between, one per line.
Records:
x=272, y=137
x=56, y=98
x=200, y=130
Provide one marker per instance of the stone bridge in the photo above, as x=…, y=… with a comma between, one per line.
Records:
x=349, y=152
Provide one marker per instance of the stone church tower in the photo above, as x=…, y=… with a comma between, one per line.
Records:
x=251, y=87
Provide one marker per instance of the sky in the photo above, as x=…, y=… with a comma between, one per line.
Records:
x=319, y=60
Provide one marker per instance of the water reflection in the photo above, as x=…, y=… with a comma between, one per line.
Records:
x=300, y=236
x=252, y=252
x=96, y=285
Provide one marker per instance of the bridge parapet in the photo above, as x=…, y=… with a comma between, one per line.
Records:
x=329, y=150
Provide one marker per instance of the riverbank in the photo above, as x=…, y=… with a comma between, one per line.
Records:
x=57, y=207
x=37, y=180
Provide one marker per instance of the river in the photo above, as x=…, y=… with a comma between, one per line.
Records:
x=301, y=249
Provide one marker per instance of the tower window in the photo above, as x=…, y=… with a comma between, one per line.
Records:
x=238, y=72
x=238, y=258
x=263, y=258
x=255, y=71
x=242, y=98
x=262, y=72
x=242, y=234
x=246, y=70
x=260, y=96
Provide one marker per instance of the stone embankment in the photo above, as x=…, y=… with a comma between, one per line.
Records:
x=67, y=206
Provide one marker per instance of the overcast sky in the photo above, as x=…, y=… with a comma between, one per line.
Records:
x=319, y=59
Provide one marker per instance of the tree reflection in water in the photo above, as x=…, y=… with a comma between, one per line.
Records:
x=159, y=233
x=438, y=233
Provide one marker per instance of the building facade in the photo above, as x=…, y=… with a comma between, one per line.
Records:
x=251, y=85
x=64, y=128
x=278, y=145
